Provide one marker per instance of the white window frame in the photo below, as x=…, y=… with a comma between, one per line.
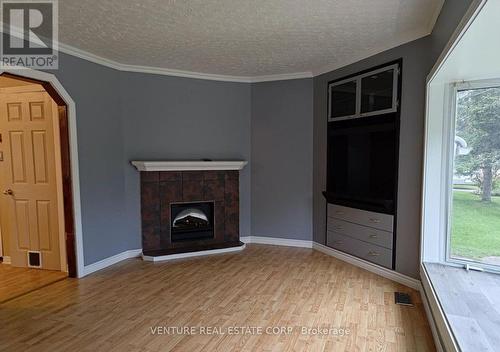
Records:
x=449, y=149
x=358, y=79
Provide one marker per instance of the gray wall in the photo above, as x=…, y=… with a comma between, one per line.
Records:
x=123, y=116
x=418, y=58
x=177, y=118
x=100, y=150
x=281, y=159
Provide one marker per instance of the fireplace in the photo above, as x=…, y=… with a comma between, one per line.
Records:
x=189, y=207
x=191, y=221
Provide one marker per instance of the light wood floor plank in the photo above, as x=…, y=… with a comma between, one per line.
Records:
x=15, y=281
x=263, y=286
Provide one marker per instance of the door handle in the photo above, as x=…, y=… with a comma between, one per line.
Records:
x=8, y=192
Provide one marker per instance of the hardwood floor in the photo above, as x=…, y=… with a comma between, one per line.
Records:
x=118, y=309
x=15, y=282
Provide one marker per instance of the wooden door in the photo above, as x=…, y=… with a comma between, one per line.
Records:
x=28, y=182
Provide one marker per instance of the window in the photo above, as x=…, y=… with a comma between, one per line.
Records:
x=474, y=226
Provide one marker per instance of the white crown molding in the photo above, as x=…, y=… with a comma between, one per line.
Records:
x=281, y=77
x=406, y=39
x=188, y=165
x=85, y=55
x=91, y=268
x=82, y=54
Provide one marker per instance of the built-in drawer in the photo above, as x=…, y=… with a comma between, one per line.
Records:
x=362, y=217
x=363, y=233
x=367, y=251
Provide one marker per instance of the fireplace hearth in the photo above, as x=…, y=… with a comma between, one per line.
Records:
x=191, y=221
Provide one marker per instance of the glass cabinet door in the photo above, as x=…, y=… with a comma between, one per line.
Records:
x=343, y=100
x=378, y=92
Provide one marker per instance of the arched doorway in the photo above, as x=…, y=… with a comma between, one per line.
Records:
x=71, y=239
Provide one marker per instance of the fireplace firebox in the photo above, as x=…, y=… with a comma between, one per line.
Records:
x=191, y=221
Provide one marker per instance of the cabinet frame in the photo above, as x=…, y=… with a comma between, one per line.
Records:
x=358, y=79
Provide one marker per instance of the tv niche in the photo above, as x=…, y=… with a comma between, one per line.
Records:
x=362, y=162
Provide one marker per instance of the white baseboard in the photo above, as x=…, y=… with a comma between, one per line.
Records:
x=391, y=275
x=387, y=273
x=91, y=268
x=6, y=260
x=277, y=241
x=376, y=269
x=192, y=254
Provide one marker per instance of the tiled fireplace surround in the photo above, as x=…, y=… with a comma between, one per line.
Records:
x=161, y=188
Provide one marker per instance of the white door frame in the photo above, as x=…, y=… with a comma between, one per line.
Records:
x=75, y=174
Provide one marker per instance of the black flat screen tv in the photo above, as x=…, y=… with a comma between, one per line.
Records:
x=362, y=163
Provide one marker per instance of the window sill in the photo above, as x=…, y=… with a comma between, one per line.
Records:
x=470, y=301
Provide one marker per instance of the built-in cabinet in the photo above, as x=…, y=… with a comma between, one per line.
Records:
x=367, y=94
x=364, y=234
x=363, y=158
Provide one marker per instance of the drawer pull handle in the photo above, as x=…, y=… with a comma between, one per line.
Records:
x=373, y=236
x=339, y=228
x=376, y=221
x=373, y=254
x=338, y=212
x=338, y=242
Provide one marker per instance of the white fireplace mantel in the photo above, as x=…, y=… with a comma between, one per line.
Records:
x=189, y=165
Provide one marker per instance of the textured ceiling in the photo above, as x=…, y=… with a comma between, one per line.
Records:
x=242, y=37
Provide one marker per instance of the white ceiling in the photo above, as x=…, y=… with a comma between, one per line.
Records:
x=244, y=38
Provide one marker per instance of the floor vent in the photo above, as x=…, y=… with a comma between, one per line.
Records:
x=34, y=259
x=403, y=299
